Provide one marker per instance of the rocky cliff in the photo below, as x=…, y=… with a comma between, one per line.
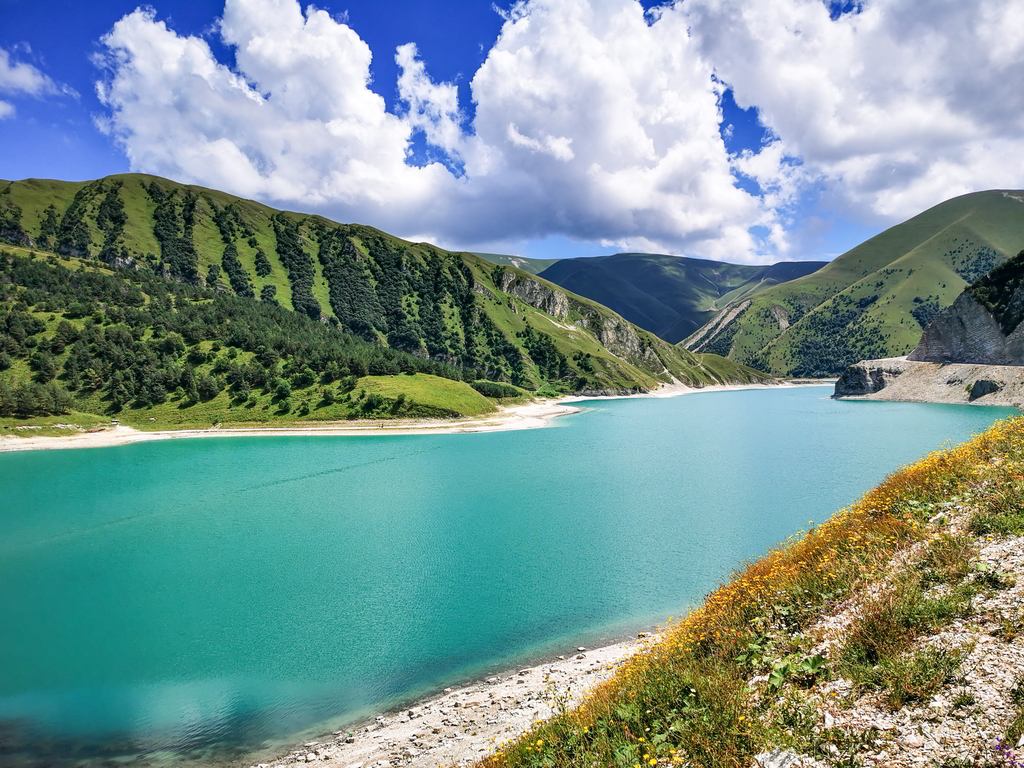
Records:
x=968, y=332
x=534, y=293
x=621, y=338
x=984, y=323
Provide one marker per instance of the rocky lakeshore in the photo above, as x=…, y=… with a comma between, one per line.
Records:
x=898, y=379
x=963, y=720
x=463, y=725
x=890, y=635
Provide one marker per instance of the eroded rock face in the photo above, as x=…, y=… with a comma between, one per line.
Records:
x=869, y=376
x=781, y=316
x=124, y=262
x=536, y=294
x=967, y=332
x=617, y=335
x=897, y=379
x=620, y=338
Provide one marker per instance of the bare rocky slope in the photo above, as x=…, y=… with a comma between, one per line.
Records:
x=897, y=379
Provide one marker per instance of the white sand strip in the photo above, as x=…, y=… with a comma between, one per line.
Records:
x=527, y=416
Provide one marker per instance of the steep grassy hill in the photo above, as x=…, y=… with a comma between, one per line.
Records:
x=162, y=260
x=671, y=296
x=874, y=300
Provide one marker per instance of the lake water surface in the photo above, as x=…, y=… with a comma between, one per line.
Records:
x=212, y=597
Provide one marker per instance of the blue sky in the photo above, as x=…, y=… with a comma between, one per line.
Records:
x=551, y=128
x=56, y=136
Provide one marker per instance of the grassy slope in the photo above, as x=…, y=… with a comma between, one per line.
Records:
x=430, y=391
x=916, y=259
x=428, y=396
x=698, y=370
x=571, y=335
x=671, y=296
x=747, y=672
x=34, y=195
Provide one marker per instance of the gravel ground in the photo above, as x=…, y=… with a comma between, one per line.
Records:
x=964, y=723
x=464, y=725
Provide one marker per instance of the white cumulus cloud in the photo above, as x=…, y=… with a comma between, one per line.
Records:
x=893, y=108
x=19, y=77
x=432, y=107
x=296, y=123
x=591, y=119
x=590, y=122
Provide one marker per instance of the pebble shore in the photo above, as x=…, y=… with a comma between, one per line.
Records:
x=464, y=725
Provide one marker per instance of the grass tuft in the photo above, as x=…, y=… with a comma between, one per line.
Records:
x=1002, y=510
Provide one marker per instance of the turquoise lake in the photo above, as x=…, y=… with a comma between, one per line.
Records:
x=215, y=597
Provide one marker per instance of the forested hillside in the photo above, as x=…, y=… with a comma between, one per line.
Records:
x=204, y=306
x=874, y=300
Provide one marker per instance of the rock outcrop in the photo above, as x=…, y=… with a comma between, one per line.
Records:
x=621, y=338
x=781, y=316
x=534, y=293
x=870, y=376
x=900, y=380
x=983, y=387
x=968, y=332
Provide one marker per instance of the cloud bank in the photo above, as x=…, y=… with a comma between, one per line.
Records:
x=591, y=119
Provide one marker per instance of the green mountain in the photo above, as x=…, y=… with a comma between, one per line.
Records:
x=874, y=300
x=191, y=301
x=530, y=266
x=671, y=296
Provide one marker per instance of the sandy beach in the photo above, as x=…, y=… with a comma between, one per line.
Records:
x=525, y=416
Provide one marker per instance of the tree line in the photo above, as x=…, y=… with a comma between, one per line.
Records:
x=381, y=291
x=139, y=338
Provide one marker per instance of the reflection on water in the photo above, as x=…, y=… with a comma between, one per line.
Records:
x=200, y=601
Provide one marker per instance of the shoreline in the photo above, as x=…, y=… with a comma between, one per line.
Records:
x=532, y=415
x=462, y=725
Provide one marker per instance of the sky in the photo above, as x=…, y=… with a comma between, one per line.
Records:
x=722, y=129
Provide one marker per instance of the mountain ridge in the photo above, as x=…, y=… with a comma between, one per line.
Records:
x=670, y=296
x=874, y=300
x=454, y=309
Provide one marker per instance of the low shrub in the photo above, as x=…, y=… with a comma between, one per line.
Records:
x=495, y=390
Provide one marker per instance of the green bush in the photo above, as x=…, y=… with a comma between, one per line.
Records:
x=495, y=390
